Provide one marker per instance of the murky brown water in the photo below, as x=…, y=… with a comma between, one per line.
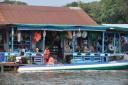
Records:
x=66, y=78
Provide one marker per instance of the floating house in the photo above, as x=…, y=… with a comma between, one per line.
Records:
x=71, y=35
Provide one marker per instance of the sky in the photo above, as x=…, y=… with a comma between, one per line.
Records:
x=52, y=2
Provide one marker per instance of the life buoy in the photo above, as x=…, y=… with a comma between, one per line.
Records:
x=78, y=34
x=84, y=34
x=111, y=47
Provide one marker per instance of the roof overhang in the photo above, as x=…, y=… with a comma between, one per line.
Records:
x=55, y=27
x=118, y=27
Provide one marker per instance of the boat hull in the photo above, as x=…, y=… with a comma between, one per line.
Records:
x=58, y=67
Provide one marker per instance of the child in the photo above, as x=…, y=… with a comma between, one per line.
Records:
x=46, y=55
x=51, y=61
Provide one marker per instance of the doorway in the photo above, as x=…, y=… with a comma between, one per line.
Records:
x=54, y=41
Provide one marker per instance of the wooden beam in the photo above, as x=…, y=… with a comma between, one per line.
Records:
x=2, y=68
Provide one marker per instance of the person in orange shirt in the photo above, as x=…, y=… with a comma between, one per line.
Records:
x=46, y=55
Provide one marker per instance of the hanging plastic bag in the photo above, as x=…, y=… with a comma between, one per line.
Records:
x=19, y=36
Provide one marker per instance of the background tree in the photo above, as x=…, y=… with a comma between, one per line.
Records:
x=114, y=11
x=106, y=11
x=14, y=2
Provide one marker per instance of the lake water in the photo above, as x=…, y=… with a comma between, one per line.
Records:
x=66, y=78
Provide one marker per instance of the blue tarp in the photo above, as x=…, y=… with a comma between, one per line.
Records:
x=2, y=57
x=54, y=27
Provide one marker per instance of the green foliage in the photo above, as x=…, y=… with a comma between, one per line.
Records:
x=14, y=2
x=106, y=11
x=114, y=11
x=73, y=4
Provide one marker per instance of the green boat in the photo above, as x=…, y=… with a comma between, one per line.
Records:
x=114, y=65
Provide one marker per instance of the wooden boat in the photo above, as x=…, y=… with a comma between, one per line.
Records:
x=81, y=61
x=114, y=65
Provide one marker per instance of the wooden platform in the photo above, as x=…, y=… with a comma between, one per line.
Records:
x=8, y=66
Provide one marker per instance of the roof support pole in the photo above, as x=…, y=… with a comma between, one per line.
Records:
x=7, y=40
x=73, y=44
x=114, y=43
x=12, y=39
x=7, y=44
x=103, y=34
x=62, y=43
x=31, y=33
x=119, y=43
x=44, y=35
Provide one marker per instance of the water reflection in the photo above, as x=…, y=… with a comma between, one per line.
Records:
x=66, y=78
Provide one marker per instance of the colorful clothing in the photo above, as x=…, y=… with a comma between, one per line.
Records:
x=51, y=60
x=46, y=55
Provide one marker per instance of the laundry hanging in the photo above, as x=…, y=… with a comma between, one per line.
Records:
x=84, y=34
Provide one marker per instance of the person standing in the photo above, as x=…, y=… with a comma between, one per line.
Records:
x=46, y=55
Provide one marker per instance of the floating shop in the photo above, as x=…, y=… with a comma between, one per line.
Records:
x=71, y=36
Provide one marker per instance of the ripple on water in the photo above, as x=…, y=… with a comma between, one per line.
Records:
x=66, y=78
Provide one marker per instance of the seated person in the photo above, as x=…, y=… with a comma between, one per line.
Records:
x=46, y=55
x=37, y=50
x=22, y=52
x=51, y=60
x=92, y=49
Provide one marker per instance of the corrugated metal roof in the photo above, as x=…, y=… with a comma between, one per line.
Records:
x=22, y=14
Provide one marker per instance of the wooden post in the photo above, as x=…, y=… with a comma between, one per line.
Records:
x=2, y=68
x=15, y=68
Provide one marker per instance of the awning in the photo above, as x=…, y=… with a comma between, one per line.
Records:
x=118, y=27
x=54, y=27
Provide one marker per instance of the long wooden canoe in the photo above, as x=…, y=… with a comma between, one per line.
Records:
x=114, y=65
